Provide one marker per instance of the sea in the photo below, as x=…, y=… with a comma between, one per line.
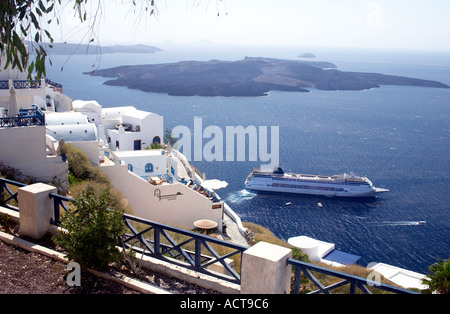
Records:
x=397, y=136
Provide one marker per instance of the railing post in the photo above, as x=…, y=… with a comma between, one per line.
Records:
x=2, y=196
x=198, y=253
x=265, y=269
x=157, y=240
x=36, y=209
x=56, y=210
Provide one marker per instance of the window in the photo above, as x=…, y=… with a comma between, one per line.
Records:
x=149, y=167
x=157, y=140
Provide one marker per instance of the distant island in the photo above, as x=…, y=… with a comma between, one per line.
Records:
x=82, y=49
x=247, y=77
x=307, y=55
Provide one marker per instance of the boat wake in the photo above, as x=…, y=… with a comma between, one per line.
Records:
x=398, y=223
x=240, y=197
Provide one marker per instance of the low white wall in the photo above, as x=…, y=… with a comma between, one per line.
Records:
x=181, y=212
x=24, y=148
x=91, y=149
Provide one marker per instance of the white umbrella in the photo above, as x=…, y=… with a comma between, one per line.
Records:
x=214, y=184
x=12, y=107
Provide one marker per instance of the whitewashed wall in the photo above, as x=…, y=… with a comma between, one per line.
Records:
x=182, y=212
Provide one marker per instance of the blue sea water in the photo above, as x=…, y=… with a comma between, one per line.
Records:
x=397, y=136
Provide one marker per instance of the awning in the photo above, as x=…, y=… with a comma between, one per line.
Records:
x=214, y=184
x=12, y=106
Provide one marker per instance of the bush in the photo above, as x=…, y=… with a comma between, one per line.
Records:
x=263, y=234
x=91, y=233
x=14, y=174
x=80, y=167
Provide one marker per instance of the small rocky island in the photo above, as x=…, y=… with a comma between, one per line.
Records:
x=307, y=55
x=248, y=77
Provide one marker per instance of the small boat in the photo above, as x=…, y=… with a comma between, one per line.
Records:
x=320, y=205
x=288, y=204
x=422, y=222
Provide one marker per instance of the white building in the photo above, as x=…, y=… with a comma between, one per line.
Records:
x=177, y=203
x=14, y=80
x=44, y=94
x=24, y=144
x=74, y=128
x=159, y=183
x=123, y=128
x=91, y=109
x=146, y=163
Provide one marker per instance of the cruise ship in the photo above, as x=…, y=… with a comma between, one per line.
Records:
x=346, y=185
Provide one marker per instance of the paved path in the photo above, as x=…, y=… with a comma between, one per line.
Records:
x=233, y=232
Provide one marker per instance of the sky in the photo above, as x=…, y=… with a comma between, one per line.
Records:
x=391, y=24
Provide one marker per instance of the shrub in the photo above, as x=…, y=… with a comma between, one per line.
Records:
x=92, y=231
x=14, y=174
x=80, y=166
x=263, y=234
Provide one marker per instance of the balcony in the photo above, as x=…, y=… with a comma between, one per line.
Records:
x=26, y=117
x=21, y=84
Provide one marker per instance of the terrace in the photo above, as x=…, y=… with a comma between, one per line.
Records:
x=25, y=117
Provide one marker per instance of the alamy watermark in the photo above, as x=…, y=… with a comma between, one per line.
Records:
x=234, y=143
x=373, y=278
x=74, y=277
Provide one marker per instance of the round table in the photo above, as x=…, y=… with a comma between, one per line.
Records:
x=205, y=224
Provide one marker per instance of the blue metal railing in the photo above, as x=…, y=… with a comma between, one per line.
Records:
x=53, y=84
x=155, y=241
x=26, y=117
x=20, y=84
x=59, y=202
x=354, y=281
x=7, y=195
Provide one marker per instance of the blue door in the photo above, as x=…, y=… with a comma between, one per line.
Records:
x=137, y=145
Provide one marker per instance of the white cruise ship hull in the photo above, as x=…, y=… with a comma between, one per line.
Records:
x=368, y=193
x=330, y=186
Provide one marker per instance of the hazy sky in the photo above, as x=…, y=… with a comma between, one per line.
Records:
x=398, y=24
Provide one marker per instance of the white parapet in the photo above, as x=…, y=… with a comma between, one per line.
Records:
x=400, y=276
x=315, y=249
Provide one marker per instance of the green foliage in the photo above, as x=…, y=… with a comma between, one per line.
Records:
x=154, y=146
x=90, y=234
x=80, y=167
x=30, y=19
x=25, y=19
x=299, y=255
x=14, y=174
x=439, y=278
x=169, y=138
x=263, y=234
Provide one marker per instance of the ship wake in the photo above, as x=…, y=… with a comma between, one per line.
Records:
x=240, y=196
